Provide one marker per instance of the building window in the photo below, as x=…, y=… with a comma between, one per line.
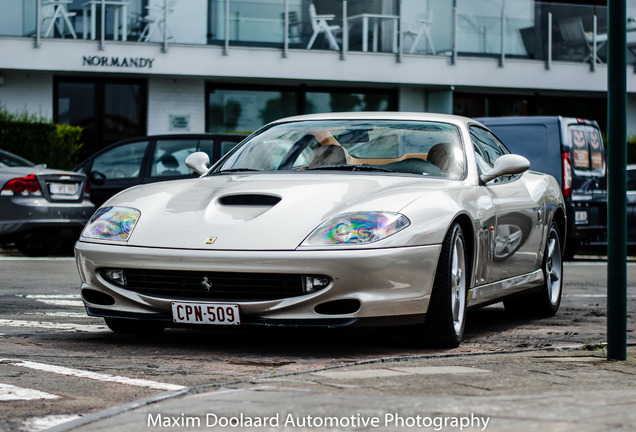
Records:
x=108, y=111
x=245, y=110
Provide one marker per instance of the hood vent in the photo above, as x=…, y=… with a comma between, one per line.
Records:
x=249, y=200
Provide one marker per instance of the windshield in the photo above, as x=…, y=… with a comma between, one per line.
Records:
x=408, y=147
x=11, y=160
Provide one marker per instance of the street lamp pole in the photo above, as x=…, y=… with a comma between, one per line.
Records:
x=616, y=181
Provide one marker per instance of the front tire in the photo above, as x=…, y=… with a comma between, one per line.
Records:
x=446, y=315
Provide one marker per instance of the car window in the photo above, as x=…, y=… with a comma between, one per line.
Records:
x=9, y=160
x=487, y=150
x=121, y=162
x=170, y=155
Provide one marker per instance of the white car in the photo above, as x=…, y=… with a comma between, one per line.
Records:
x=337, y=219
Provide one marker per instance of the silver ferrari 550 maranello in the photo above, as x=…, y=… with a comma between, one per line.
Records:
x=370, y=219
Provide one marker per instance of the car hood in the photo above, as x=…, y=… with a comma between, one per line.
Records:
x=259, y=211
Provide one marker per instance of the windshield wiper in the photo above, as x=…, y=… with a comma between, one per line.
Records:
x=362, y=167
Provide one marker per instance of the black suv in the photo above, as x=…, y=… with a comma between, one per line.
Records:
x=572, y=151
x=149, y=159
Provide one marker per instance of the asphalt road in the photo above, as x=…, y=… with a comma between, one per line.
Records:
x=57, y=364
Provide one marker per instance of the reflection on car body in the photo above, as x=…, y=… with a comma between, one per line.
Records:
x=332, y=220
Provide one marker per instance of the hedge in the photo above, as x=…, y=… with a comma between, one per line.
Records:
x=39, y=140
x=631, y=150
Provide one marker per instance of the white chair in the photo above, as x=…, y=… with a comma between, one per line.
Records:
x=422, y=28
x=319, y=25
x=55, y=13
x=155, y=20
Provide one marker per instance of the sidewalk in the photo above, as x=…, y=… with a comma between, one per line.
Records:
x=534, y=390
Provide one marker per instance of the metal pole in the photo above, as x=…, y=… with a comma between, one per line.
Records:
x=102, y=35
x=454, y=57
x=164, y=48
x=502, y=59
x=400, y=35
x=38, y=25
x=594, y=44
x=286, y=30
x=226, y=46
x=616, y=181
x=548, y=60
x=345, y=31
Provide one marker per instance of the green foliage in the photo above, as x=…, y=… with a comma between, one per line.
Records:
x=631, y=149
x=39, y=140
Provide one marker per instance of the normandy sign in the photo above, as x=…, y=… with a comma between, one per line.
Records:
x=118, y=62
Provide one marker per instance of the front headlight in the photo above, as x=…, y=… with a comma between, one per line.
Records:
x=112, y=223
x=357, y=229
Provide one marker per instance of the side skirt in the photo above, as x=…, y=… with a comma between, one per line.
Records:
x=497, y=290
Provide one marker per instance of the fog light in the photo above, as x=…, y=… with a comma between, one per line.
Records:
x=315, y=283
x=116, y=276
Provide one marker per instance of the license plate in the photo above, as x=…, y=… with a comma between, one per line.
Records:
x=63, y=188
x=205, y=313
x=580, y=217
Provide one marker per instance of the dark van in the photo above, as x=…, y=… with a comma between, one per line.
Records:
x=572, y=151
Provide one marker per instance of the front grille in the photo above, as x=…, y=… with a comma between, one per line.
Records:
x=214, y=285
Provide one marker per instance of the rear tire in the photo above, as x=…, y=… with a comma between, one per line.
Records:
x=446, y=315
x=546, y=302
x=130, y=326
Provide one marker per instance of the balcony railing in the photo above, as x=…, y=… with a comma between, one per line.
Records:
x=501, y=29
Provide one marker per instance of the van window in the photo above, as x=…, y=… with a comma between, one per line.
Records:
x=587, y=148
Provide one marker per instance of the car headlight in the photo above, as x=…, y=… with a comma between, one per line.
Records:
x=112, y=223
x=357, y=229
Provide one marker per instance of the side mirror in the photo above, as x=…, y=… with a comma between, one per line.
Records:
x=506, y=165
x=198, y=162
x=97, y=178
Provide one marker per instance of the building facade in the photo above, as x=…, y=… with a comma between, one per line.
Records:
x=124, y=68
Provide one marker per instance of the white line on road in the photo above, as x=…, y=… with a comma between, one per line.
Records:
x=92, y=375
x=37, y=424
x=72, y=300
x=10, y=392
x=51, y=325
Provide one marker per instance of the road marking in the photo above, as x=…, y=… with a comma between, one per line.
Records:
x=595, y=295
x=18, y=258
x=51, y=325
x=92, y=375
x=37, y=424
x=10, y=392
x=72, y=300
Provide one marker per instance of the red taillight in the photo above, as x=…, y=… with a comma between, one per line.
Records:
x=87, y=188
x=567, y=173
x=22, y=186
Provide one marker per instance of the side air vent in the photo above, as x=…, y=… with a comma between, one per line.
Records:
x=249, y=200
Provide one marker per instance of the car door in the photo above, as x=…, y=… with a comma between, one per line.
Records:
x=516, y=236
x=631, y=205
x=116, y=169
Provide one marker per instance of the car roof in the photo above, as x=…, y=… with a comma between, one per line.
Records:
x=381, y=115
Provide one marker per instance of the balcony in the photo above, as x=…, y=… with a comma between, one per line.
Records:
x=497, y=29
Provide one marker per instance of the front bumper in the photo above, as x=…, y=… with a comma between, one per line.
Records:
x=392, y=286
